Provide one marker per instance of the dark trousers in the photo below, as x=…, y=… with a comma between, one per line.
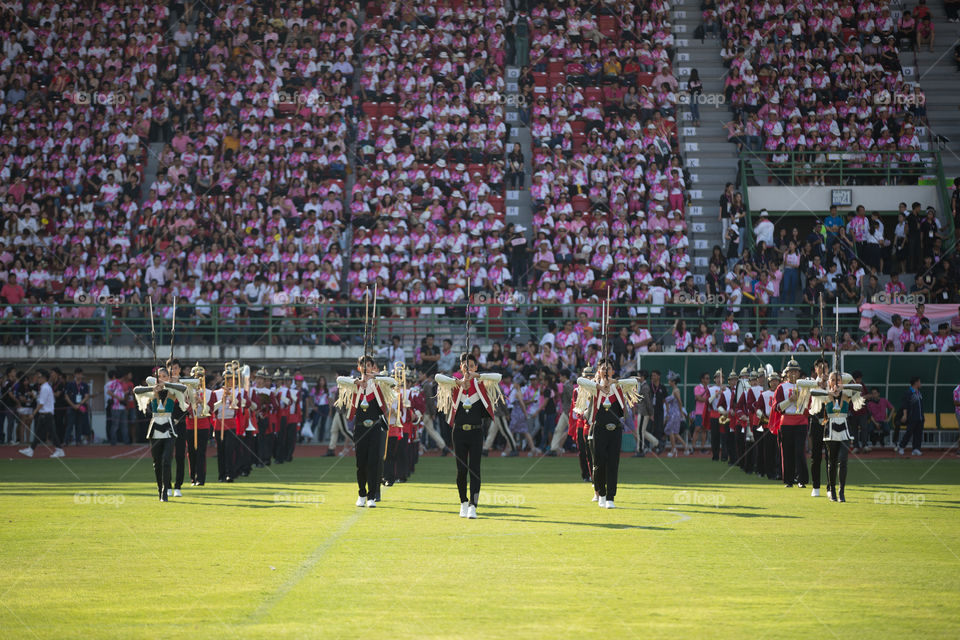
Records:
x=198, y=455
x=78, y=423
x=265, y=442
x=247, y=453
x=162, y=451
x=227, y=445
x=390, y=463
x=43, y=430
x=728, y=452
x=607, y=460
x=837, y=455
x=369, y=457
x=280, y=442
x=740, y=442
x=403, y=458
x=792, y=453
x=914, y=431
x=468, y=449
x=816, y=451
x=585, y=454
x=290, y=440
x=771, y=454
x=180, y=453
x=715, y=438
x=751, y=451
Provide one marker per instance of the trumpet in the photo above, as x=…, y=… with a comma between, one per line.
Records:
x=231, y=379
x=400, y=375
x=724, y=419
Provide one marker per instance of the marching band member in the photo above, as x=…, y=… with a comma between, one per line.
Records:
x=792, y=419
x=726, y=407
x=610, y=398
x=817, y=425
x=198, y=418
x=224, y=403
x=264, y=417
x=165, y=406
x=246, y=432
x=768, y=439
x=415, y=406
x=836, y=435
x=394, y=435
x=740, y=421
x=291, y=415
x=713, y=409
x=754, y=460
x=467, y=400
x=367, y=399
x=578, y=430
x=180, y=445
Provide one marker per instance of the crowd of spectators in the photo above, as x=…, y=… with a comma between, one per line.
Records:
x=824, y=82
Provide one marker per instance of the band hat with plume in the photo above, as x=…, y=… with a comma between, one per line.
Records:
x=792, y=365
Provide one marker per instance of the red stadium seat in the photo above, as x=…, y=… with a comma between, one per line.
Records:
x=540, y=79
x=579, y=140
x=286, y=108
x=607, y=25
x=371, y=109
x=557, y=79
x=477, y=168
x=592, y=93
x=498, y=203
x=555, y=66
x=645, y=79
x=612, y=93
x=580, y=203
x=388, y=109
x=578, y=126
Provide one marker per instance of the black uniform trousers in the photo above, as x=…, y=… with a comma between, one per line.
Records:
x=280, y=442
x=403, y=458
x=264, y=441
x=771, y=454
x=162, y=451
x=468, y=449
x=369, y=457
x=180, y=454
x=290, y=439
x=837, y=456
x=198, y=455
x=585, y=454
x=227, y=449
x=740, y=442
x=728, y=452
x=606, y=446
x=793, y=453
x=715, y=438
x=816, y=450
x=390, y=463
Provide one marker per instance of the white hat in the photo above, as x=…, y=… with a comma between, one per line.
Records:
x=441, y=163
x=763, y=213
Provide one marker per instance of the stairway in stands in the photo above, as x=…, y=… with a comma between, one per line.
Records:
x=710, y=159
x=938, y=76
x=518, y=202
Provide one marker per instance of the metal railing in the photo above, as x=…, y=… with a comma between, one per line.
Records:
x=840, y=168
x=342, y=323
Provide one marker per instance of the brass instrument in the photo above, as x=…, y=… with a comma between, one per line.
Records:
x=197, y=384
x=231, y=372
x=400, y=375
x=724, y=419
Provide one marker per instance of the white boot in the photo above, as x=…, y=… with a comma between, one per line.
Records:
x=464, y=507
x=815, y=493
x=602, y=501
x=610, y=505
x=361, y=501
x=472, y=512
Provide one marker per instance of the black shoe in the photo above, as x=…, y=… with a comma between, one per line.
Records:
x=229, y=479
x=787, y=485
x=513, y=454
x=387, y=483
x=586, y=479
x=163, y=495
x=279, y=461
x=551, y=453
x=842, y=499
x=639, y=454
x=329, y=454
x=486, y=453
x=445, y=452
x=801, y=485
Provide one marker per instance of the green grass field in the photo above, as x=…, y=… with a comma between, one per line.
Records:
x=87, y=551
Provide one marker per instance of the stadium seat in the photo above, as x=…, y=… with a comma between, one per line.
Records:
x=498, y=203
x=580, y=203
x=388, y=109
x=555, y=66
x=578, y=126
x=948, y=421
x=592, y=93
x=371, y=109
x=644, y=79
